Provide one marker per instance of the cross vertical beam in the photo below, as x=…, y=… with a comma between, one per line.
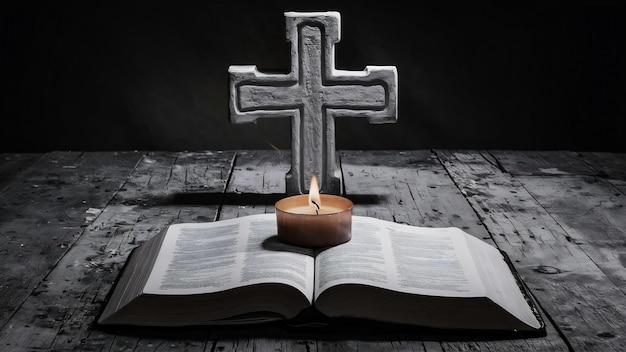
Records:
x=313, y=94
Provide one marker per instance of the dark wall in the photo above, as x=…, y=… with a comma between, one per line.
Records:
x=526, y=76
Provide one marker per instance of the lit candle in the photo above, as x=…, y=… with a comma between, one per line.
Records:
x=314, y=220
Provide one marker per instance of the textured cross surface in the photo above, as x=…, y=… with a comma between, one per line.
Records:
x=312, y=94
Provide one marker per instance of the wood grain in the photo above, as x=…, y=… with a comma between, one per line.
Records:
x=586, y=305
x=69, y=220
x=11, y=164
x=44, y=211
x=60, y=313
x=610, y=166
x=417, y=190
x=540, y=163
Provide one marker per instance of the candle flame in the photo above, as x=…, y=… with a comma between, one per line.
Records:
x=314, y=194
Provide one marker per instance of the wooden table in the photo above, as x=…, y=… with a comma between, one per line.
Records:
x=68, y=221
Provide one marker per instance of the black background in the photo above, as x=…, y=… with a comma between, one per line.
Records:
x=473, y=75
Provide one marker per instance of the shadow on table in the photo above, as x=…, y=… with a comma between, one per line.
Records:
x=334, y=329
x=218, y=198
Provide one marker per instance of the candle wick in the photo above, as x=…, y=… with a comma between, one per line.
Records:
x=318, y=208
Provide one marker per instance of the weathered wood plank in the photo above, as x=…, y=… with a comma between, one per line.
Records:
x=265, y=344
x=588, y=308
x=256, y=183
x=43, y=211
x=406, y=187
x=601, y=231
x=260, y=172
x=592, y=214
x=608, y=165
x=548, y=245
x=60, y=314
x=11, y=164
x=540, y=163
x=611, y=166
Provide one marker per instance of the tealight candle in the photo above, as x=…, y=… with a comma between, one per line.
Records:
x=314, y=220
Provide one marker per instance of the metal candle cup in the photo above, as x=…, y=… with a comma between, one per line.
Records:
x=299, y=224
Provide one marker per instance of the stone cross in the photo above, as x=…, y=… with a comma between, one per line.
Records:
x=312, y=95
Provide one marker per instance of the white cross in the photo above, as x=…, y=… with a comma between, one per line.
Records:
x=312, y=95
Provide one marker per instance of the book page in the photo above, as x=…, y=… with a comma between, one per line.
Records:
x=217, y=256
x=500, y=283
x=420, y=260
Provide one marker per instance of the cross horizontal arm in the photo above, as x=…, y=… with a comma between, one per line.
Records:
x=249, y=74
x=383, y=78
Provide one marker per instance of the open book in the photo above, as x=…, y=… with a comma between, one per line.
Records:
x=236, y=271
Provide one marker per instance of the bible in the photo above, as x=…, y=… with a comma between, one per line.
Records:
x=237, y=272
